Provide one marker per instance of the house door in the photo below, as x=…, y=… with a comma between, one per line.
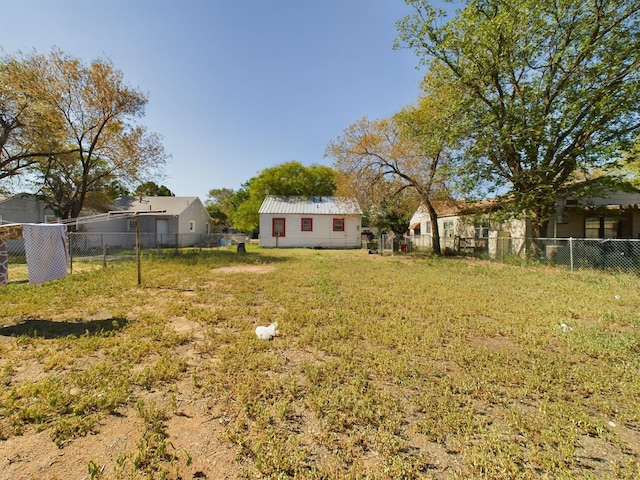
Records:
x=625, y=226
x=503, y=247
x=162, y=231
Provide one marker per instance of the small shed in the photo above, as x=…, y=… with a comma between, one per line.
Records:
x=312, y=222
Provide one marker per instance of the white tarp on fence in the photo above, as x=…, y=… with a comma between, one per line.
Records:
x=45, y=248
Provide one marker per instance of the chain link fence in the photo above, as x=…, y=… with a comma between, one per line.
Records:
x=99, y=249
x=616, y=255
x=95, y=249
x=620, y=255
x=88, y=246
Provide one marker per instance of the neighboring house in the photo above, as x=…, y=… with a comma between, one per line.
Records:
x=468, y=227
x=465, y=226
x=25, y=208
x=615, y=216
x=173, y=221
x=315, y=222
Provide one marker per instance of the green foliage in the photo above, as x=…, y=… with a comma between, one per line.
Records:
x=220, y=203
x=391, y=218
x=552, y=88
x=293, y=178
x=101, y=199
x=629, y=167
x=290, y=178
x=152, y=189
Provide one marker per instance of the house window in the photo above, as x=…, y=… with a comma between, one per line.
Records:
x=481, y=229
x=131, y=226
x=338, y=224
x=592, y=227
x=207, y=229
x=448, y=229
x=427, y=228
x=278, y=227
x=306, y=225
x=600, y=227
x=192, y=226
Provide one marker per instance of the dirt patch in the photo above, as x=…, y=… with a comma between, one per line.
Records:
x=191, y=429
x=182, y=326
x=493, y=343
x=258, y=269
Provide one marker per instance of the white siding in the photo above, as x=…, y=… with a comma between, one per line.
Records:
x=322, y=235
x=322, y=211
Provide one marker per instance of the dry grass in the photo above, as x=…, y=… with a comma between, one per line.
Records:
x=385, y=367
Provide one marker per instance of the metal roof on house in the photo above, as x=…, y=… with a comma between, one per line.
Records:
x=297, y=205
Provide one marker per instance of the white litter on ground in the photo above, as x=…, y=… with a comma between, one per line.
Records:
x=267, y=333
x=565, y=328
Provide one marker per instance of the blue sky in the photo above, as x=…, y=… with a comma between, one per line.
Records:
x=235, y=86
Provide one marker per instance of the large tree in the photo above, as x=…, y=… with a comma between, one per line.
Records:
x=220, y=203
x=554, y=87
x=381, y=164
x=152, y=189
x=97, y=111
x=383, y=160
x=393, y=213
x=289, y=178
x=629, y=167
x=30, y=130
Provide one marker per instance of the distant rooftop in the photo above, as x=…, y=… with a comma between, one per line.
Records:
x=171, y=205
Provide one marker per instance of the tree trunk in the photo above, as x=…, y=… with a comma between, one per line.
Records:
x=539, y=225
x=540, y=221
x=435, y=230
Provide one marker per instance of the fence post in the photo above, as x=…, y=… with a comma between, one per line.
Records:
x=71, y=238
x=138, y=247
x=4, y=263
x=104, y=251
x=571, y=253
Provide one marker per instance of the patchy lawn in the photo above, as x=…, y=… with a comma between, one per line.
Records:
x=385, y=367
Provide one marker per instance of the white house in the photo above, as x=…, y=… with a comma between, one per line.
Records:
x=462, y=226
x=314, y=222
